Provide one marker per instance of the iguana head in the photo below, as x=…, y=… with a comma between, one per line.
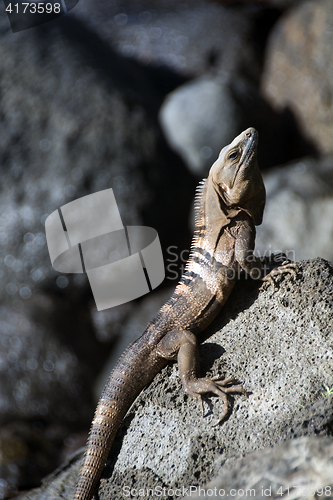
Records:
x=237, y=178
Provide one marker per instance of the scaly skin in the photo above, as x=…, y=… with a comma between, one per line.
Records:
x=229, y=203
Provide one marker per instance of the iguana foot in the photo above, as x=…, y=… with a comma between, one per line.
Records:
x=217, y=385
x=186, y=343
x=274, y=276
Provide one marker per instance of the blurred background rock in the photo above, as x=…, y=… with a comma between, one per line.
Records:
x=140, y=96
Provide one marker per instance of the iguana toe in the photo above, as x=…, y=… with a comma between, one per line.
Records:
x=216, y=385
x=274, y=276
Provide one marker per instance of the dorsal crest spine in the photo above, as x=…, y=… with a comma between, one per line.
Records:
x=198, y=204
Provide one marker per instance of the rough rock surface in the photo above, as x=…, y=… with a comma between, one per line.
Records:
x=298, y=73
x=298, y=216
x=278, y=344
x=301, y=468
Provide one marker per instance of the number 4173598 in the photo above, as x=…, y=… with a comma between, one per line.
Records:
x=33, y=8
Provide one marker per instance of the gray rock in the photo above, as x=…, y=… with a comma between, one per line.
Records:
x=278, y=345
x=300, y=468
x=298, y=217
x=199, y=117
x=298, y=69
x=202, y=116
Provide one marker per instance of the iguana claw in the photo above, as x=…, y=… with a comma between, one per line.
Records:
x=286, y=267
x=216, y=385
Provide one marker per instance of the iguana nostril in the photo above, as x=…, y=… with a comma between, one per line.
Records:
x=248, y=134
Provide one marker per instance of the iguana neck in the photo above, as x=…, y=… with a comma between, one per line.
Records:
x=211, y=216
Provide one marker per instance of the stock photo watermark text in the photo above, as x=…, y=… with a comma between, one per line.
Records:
x=175, y=262
x=301, y=491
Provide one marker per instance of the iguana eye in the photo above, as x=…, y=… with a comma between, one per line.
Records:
x=232, y=155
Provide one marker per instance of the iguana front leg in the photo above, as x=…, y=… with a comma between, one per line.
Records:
x=265, y=269
x=184, y=345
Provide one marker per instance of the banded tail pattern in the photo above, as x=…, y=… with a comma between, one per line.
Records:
x=102, y=433
x=116, y=399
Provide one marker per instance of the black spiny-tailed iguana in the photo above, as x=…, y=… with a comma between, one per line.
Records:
x=229, y=204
